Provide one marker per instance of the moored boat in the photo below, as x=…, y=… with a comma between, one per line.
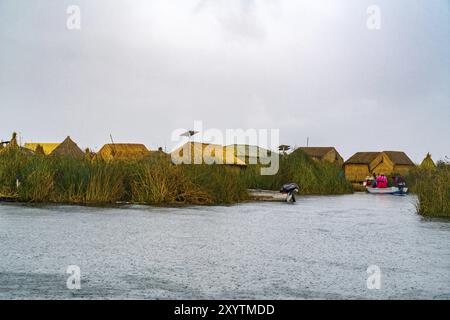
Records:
x=389, y=190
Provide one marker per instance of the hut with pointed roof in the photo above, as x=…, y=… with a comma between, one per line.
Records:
x=329, y=154
x=67, y=149
x=362, y=164
x=427, y=162
x=205, y=153
x=122, y=152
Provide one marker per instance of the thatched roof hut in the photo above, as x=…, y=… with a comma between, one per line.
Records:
x=399, y=158
x=428, y=162
x=329, y=154
x=357, y=167
x=122, y=152
x=401, y=163
x=206, y=153
x=362, y=164
x=68, y=148
x=362, y=158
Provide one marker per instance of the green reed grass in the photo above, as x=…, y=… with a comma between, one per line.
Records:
x=314, y=177
x=160, y=182
x=432, y=186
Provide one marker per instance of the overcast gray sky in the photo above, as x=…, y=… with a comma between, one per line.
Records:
x=140, y=69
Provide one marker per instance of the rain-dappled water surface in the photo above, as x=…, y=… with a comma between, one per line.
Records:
x=319, y=247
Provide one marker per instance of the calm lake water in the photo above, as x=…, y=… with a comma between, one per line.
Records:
x=319, y=247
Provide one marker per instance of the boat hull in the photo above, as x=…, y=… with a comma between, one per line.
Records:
x=391, y=190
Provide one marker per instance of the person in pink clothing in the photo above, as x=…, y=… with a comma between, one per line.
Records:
x=379, y=181
x=382, y=181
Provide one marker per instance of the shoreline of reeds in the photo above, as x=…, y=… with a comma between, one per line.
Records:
x=154, y=181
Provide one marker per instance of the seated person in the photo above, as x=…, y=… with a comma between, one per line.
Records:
x=382, y=181
x=398, y=181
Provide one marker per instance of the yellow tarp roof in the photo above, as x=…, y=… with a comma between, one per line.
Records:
x=47, y=146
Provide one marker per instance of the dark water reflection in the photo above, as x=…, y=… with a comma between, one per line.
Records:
x=320, y=247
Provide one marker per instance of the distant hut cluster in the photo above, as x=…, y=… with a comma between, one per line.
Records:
x=362, y=164
x=69, y=149
x=356, y=168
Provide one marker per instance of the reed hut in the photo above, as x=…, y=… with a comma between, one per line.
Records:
x=358, y=166
x=362, y=164
x=428, y=162
x=328, y=154
x=206, y=153
x=122, y=152
x=66, y=149
x=401, y=163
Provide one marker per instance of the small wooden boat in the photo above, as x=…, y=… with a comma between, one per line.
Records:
x=286, y=194
x=390, y=190
x=266, y=195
